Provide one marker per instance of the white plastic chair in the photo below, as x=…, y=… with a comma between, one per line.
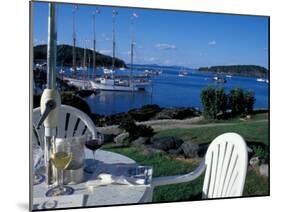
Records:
x=71, y=122
x=226, y=166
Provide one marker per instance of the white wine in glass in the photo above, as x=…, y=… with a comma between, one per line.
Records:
x=61, y=158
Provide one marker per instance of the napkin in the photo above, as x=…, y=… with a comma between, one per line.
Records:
x=125, y=175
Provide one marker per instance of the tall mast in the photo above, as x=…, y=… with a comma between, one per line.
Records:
x=74, y=42
x=132, y=59
x=114, y=13
x=94, y=42
x=134, y=15
x=85, y=55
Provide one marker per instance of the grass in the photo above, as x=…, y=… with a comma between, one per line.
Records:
x=254, y=117
x=251, y=131
x=164, y=165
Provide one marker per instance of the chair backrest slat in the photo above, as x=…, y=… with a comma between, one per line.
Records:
x=71, y=125
x=226, y=161
x=71, y=122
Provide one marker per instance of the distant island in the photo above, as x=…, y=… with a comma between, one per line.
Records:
x=242, y=70
x=64, y=56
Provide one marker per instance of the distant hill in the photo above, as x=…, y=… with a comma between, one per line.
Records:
x=64, y=56
x=242, y=70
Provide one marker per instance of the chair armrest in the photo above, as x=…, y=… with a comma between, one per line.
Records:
x=158, y=181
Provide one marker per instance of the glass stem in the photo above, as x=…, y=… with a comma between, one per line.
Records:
x=94, y=159
x=60, y=179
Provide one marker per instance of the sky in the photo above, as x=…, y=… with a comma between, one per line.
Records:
x=161, y=37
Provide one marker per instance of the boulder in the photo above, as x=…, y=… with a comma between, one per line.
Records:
x=144, y=113
x=264, y=170
x=190, y=150
x=141, y=141
x=122, y=139
x=108, y=138
x=177, y=113
x=254, y=162
x=175, y=151
x=166, y=142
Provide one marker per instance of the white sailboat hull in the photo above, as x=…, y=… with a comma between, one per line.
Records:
x=83, y=84
x=112, y=87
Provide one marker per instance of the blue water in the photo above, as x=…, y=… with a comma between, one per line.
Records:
x=170, y=90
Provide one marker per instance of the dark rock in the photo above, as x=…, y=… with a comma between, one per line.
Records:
x=69, y=98
x=165, y=143
x=254, y=162
x=177, y=142
x=141, y=141
x=108, y=138
x=177, y=113
x=174, y=151
x=144, y=113
x=122, y=139
x=189, y=149
x=202, y=149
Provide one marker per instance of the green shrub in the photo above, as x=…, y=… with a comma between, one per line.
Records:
x=249, y=101
x=241, y=102
x=214, y=101
x=145, y=131
x=262, y=153
x=145, y=112
x=236, y=101
x=69, y=98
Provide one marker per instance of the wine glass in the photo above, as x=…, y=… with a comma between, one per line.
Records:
x=93, y=144
x=37, y=164
x=61, y=157
x=38, y=154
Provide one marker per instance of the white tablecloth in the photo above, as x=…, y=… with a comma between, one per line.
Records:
x=103, y=195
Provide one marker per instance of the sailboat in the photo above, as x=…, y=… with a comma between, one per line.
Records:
x=110, y=82
x=79, y=83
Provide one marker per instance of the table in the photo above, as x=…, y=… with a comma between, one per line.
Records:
x=111, y=194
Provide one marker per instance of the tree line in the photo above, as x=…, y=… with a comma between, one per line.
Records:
x=242, y=70
x=64, y=56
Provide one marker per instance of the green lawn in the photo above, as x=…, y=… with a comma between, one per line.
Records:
x=164, y=165
x=254, y=117
x=251, y=131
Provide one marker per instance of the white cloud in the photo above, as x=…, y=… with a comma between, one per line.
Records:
x=212, y=42
x=105, y=37
x=165, y=46
x=149, y=59
x=167, y=62
x=105, y=51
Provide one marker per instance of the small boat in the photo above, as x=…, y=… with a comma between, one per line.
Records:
x=219, y=79
x=108, y=71
x=261, y=80
x=183, y=73
x=61, y=71
x=122, y=69
x=152, y=72
x=228, y=76
x=82, y=68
